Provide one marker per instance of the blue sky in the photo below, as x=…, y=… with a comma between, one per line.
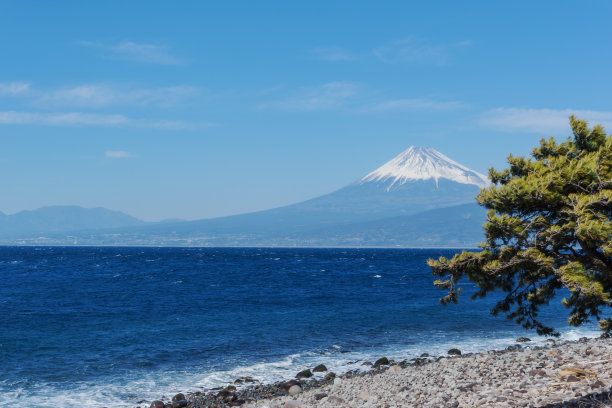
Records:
x=200, y=109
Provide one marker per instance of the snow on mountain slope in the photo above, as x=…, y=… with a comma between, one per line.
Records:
x=423, y=163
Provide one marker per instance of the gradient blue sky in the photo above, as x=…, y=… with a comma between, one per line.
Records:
x=195, y=109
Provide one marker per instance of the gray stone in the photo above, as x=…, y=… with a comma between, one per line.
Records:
x=179, y=397
x=293, y=404
x=294, y=390
x=335, y=400
x=288, y=384
x=538, y=372
x=363, y=395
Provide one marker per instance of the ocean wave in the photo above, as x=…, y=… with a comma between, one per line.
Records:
x=128, y=390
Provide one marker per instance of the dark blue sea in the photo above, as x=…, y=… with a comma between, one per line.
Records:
x=94, y=327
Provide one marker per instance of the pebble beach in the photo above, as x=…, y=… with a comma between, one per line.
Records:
x=558, y=374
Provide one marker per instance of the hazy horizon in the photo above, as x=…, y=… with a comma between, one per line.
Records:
x=204, y=110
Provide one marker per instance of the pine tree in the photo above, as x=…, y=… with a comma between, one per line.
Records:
x=548, y=227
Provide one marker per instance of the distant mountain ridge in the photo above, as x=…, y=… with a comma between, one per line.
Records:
x=63, y=218
x=419, y=198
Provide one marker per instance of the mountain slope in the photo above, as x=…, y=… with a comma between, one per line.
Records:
x=457, y=226
x=416, y=180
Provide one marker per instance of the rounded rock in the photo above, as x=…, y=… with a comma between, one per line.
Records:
x=293, y=404
x=330, y=376
x=304, y=374
x=288, y=384
x=179, y=397
x=294, y=390
x=381, y=361
x=363, y=396
x=157, y=404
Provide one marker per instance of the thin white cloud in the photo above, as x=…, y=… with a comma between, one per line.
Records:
x=93, y=119
x=542, y=121
x=414, y=104
x=332, y=95
x=138, y=52
x=332, y=54
x=352, y=97
x=99, y=96
x=14, y=88
x=118, y=154
x=148, y=53
x=417, y=50
x=60, y=119
x=172, y=124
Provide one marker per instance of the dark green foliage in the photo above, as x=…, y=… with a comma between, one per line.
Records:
x=548, y=227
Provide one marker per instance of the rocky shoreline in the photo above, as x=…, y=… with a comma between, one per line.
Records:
x=559, y=374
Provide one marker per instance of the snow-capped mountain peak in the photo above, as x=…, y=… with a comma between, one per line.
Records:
x=424, y=163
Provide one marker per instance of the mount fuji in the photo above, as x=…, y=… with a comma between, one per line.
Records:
x=418, y=179
x=419, y=198
x=423, y=163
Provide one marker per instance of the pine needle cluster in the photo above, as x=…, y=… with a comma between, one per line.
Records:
x=548, y=227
